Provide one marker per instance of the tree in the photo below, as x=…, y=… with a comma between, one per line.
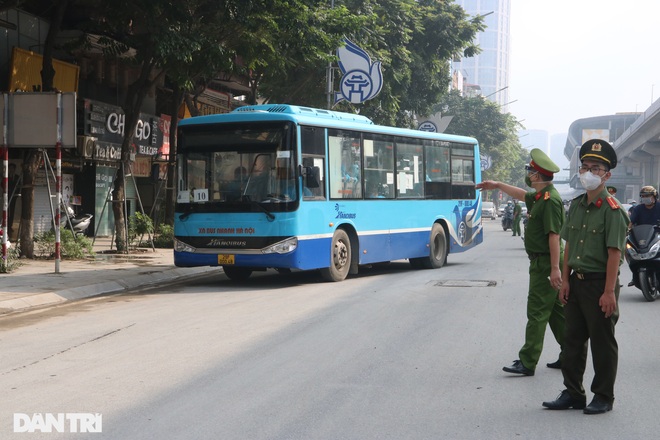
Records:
x=415, y=41
x=291, y=68
x=496, y=132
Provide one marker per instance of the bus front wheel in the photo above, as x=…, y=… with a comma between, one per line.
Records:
x=437, y=252
x=341, y=258
x=237, y=273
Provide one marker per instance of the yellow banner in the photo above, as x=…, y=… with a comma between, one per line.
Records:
x=26, y=68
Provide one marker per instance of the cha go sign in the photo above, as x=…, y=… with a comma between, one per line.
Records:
x=107, y=123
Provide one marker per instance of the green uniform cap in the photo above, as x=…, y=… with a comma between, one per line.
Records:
x=542, y=163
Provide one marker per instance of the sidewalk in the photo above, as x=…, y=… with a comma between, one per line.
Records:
x=35, y=283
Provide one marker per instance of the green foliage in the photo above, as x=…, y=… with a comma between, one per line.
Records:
x=164, y=237
x=495, y=131
x=71, y=247
x=12, y=262
x=139, y=225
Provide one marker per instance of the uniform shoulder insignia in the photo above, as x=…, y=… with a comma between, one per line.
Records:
x=547, y=195
x=613, y=203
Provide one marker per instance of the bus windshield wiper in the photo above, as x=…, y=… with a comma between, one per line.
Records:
x=186, y=214
x=246, y=198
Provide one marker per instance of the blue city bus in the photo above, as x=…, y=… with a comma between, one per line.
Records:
x=296, y=188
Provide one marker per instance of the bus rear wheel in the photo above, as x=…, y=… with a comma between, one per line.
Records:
x=341, y=258
x=237, y=273
x=437, y=252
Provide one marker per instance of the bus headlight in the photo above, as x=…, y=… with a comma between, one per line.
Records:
x=180, y=246
x=283, y=247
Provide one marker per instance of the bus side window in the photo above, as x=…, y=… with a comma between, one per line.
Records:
x=344, y=156
x=379, y=166
x=462, y=171
x=437, y=179
x=409, y=171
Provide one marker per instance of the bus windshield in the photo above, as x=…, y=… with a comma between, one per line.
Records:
x=232, y=168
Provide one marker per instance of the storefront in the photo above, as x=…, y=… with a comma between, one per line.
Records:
x=102, y=132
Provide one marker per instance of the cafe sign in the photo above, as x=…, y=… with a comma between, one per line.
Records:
x=107, y=123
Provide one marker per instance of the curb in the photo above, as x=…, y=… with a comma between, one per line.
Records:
x=145, y=279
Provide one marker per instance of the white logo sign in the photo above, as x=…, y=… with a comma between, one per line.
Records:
x=428, y=126
x=362, y=79
x=486, y=162
x=60, y=422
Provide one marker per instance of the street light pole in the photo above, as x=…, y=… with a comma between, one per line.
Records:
x=329, y=74
x=496, y=91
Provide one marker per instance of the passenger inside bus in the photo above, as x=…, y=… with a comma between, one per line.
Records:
x=257, y=186
x=234, y=187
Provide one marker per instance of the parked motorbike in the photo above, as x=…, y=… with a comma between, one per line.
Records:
x=643, y=257
x=79, y=222
x=507, y=218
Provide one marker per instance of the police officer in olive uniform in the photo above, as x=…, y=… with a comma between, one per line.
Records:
x=517, y=215
x=595, y=235
x=545, y=220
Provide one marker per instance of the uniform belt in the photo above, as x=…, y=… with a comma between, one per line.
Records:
x=590, y=276
x=534, y=255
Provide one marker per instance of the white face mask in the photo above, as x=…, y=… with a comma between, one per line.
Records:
x=647, y=200
x=590, y=181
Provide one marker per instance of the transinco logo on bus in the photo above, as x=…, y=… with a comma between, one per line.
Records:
x=341, y=214
x=58, y=422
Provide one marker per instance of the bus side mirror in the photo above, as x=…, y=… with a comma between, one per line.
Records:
x=311, y=176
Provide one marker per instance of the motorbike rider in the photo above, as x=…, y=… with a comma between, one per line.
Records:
x=507, y=218
x=647, y=212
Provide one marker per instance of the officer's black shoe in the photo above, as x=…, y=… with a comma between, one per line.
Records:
x=598, y=405
x=518, y=368
x=556, y=364
x=566, y=401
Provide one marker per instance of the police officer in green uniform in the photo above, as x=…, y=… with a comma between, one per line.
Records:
x=517, y=215
x=595, y=235
x=545, y=220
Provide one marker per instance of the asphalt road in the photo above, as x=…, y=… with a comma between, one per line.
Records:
x=393, y=353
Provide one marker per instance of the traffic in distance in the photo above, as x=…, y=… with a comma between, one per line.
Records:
x=297, y=188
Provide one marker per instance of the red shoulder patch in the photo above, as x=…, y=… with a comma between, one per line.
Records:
x=613, y=203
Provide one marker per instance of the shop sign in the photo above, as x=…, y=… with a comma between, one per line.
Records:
x=107, y=123
x=107, y=151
